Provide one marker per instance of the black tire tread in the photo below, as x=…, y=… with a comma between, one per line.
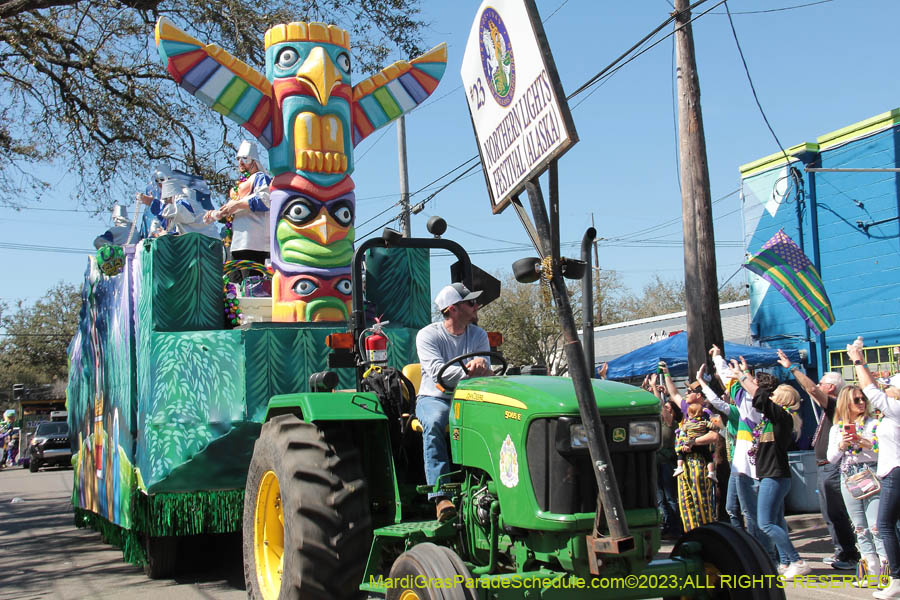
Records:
x=325, y=502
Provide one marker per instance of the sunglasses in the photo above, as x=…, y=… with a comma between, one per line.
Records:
x=859, y=400
x=695, y=389
x=471, y=303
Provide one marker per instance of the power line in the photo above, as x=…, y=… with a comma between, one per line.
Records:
x=35, y=248
x=771, y=10
x=752, y=87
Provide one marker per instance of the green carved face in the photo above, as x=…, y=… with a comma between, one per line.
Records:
x=296, y=248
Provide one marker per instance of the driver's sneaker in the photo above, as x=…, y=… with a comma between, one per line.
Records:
x=795, y=569
x=781, y=569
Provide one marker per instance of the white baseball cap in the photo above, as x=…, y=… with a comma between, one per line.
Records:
x=452, y=294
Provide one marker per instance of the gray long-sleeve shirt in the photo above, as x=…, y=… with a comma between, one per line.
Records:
x=435, y=346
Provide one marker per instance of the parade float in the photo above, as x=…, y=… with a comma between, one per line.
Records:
x=166, y=395
x=304, y=438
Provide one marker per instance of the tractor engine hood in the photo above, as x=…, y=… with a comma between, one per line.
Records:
x=556, y=395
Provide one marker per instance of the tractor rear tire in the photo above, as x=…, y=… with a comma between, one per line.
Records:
x=727, y=550
x=426, y=562
x=306, y=526
x=34, y=466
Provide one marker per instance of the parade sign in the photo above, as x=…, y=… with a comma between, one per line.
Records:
x=519, y=111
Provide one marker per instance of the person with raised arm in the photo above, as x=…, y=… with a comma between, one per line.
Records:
x=888, y=469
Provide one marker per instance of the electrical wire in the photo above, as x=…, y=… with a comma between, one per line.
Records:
x=753, y=87
x=35, y=248
x=771, y=10
x=615, y=70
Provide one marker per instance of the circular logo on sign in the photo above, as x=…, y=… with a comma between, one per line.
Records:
x=497, y=57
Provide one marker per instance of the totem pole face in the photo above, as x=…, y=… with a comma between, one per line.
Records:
x=312, y=229
x=309, y=67
x=314, y=297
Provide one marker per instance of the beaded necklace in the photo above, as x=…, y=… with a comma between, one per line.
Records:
x=758, y=430
x=855, y=449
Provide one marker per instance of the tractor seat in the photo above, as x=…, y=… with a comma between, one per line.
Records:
x=413, y=372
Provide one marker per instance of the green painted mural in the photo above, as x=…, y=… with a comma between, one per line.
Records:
x=166, y=404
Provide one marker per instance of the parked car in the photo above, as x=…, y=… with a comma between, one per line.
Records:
x=50, y=445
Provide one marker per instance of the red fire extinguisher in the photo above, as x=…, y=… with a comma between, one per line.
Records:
x=376, y=345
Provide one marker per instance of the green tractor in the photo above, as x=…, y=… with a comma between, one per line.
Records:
x=336, y=506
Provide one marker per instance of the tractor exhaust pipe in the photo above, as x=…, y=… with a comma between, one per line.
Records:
x=587, y=299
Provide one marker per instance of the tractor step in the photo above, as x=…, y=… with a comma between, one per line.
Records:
x=427, y=529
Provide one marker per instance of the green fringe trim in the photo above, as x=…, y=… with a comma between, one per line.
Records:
x=128, y=540
x=188, y=513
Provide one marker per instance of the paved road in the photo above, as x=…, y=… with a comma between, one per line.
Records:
x=42, y=555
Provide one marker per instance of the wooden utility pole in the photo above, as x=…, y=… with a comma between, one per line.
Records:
x=704, y=324
x=405, y=225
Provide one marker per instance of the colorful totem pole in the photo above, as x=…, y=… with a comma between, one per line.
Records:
x=309, y=118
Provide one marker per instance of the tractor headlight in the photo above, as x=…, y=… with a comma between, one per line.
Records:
x=643, y=433
x=577, y=437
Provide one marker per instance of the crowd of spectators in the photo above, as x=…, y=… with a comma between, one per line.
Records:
x=724, y=456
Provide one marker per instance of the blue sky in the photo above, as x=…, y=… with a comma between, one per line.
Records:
x=816, y=69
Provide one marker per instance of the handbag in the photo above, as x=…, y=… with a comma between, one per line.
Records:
x=863, y=484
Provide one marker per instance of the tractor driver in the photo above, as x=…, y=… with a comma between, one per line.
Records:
x=458, y=333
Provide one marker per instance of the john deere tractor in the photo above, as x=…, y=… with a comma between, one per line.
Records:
x=336, y=502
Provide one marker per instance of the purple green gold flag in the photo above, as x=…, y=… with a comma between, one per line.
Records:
x=782, y=263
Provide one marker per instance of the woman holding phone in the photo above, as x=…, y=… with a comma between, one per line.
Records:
x=888, y=465
x=853, y=445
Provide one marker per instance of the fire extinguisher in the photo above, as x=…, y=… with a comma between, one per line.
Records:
x=376, y=345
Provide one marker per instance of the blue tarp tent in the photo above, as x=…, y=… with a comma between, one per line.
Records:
x=673, y=350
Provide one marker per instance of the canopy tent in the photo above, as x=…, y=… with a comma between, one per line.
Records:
x=673, y=350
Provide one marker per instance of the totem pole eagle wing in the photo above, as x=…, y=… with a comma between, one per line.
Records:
x=395, y=91
x=221, y=81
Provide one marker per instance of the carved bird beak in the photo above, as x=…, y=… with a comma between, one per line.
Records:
x=320, y=74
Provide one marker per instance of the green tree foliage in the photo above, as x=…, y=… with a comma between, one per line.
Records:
x=33, y=347
x=660, y=297
x=85, y=92
x=530, y=327
x=526, y=317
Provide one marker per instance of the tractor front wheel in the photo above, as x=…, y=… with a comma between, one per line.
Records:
x=307, y=528
x=726, y=550
x=424, y=563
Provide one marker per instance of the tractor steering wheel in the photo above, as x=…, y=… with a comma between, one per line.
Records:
x=461, y=358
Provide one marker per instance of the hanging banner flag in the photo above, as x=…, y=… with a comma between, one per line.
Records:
x=782, y=263
x=518, y=108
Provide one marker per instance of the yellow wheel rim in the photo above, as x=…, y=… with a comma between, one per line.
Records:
x=268, y=536
x=409, y=595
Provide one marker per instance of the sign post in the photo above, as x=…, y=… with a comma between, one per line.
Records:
x=523, y=125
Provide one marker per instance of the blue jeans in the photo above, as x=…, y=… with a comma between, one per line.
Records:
x=863, y=513
x=667, y=497
x=831, y=503
x=770, y=510
x=888, y=515
x=434, y=414
x=746, y=489
x=733, y=503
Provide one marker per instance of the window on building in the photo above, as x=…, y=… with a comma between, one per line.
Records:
x=882, y=362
